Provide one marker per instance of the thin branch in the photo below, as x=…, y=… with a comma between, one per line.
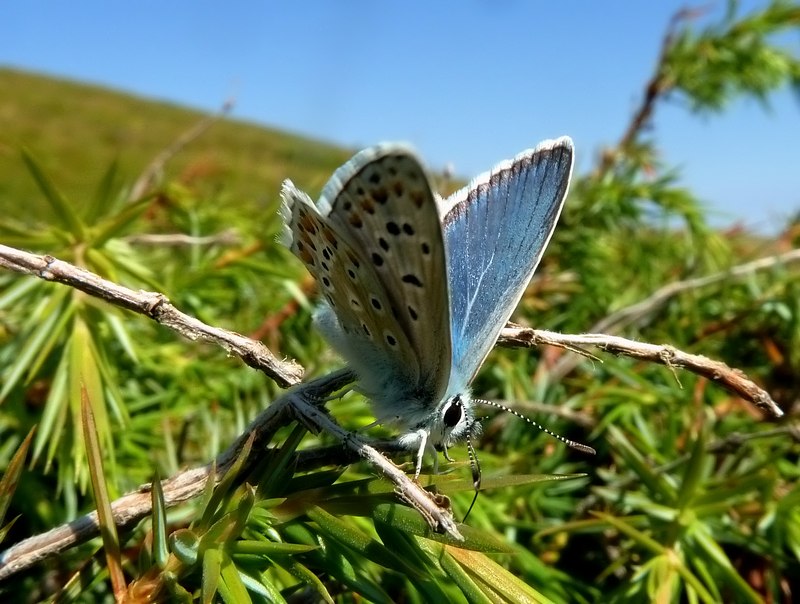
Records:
x=270, y=326
x=718, y=372
x=657, y=87
x=154, y=169
x=616, y=322
x=155, y=306
x=226, y=237
x=657, y=299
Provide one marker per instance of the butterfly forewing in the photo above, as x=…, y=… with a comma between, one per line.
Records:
x=496, y=230
x=383, y=199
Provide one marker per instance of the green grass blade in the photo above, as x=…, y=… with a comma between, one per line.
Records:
x=10, y=479
x=490, y=577
x=346, y=534
x=54, y=316
x=117, y=224
x=103, y=198
x=231, y=587
x=105, y=517
x=62, y=208
x=160, y=546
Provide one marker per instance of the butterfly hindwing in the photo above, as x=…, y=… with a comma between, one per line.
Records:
x=496, y=230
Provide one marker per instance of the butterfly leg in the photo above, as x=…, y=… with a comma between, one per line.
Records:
x=423, y=446
x=446, y=454
x=370, y=425
x=338, y=395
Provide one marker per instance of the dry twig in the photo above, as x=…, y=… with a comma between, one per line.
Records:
x=154, y=305
x=718, y=372
x=226, y=237
x=629, y=315
x=656, y=88
x=153, y=171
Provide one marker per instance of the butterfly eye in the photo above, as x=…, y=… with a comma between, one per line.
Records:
x=454, y=413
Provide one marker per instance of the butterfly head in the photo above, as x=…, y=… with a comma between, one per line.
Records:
x=452, y=421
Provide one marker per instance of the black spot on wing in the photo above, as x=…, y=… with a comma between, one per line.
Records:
x=412, y=280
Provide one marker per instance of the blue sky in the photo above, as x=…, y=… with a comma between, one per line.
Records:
x=469, y=82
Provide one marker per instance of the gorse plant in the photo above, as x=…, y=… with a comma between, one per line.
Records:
x=692, y=495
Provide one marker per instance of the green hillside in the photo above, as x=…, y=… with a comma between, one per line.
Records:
x=75, y=130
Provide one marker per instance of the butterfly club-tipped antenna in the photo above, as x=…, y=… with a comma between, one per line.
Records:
x=572, y=444
x=473, y=457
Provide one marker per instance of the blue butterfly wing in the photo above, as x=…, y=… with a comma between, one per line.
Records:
x=495, y=232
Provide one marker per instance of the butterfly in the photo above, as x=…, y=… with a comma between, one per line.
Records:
x=417, y=288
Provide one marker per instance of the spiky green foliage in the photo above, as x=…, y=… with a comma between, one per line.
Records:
x=692, y=496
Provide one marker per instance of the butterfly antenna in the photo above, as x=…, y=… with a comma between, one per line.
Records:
x=476, y=469
x=570, y=443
